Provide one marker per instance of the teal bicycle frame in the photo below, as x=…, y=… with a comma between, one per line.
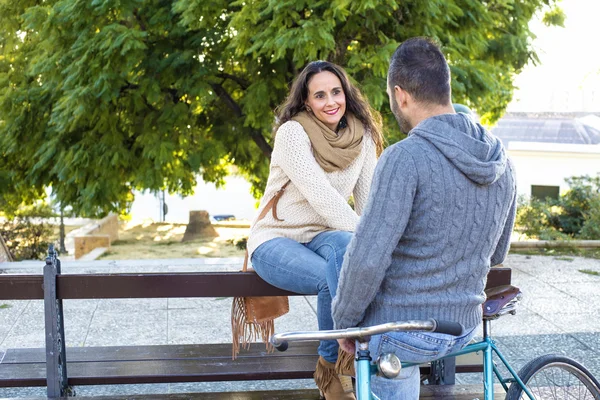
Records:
x=365, y=369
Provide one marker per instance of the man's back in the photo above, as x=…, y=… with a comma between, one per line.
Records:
x=440, y=211
x=445, y=194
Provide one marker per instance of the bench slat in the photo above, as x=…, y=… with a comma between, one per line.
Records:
x=163, y=371
x=21, y=287
x=302, y=394
x=156, y=352
x=162, y=285
x=202, y=284
x=172, y=363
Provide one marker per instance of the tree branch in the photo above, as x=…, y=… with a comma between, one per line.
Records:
x=223, y=95
x=139, y=19
x=240, y=81
x=256, y=135
x=261, y=142
x=171, y=92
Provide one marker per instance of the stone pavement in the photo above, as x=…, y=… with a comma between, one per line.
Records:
x=558, y=314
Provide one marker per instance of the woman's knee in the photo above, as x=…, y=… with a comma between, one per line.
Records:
x=332, y=244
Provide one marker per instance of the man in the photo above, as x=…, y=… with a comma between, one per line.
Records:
x=440, y=212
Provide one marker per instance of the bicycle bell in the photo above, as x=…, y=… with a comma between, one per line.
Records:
x=389, y=365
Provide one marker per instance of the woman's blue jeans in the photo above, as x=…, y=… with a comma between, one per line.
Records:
x=418, y=347
x=306, y=268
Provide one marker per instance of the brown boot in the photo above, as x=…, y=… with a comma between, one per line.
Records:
x=332, y=385
x=345, y=364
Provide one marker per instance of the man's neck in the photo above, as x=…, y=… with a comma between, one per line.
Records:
x=429, y=111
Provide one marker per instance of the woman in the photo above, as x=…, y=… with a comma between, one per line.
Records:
x=326, y=145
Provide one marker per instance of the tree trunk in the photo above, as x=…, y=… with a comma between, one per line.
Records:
x=62, y=249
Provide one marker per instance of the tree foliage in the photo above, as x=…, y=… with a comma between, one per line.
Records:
x=99, y=98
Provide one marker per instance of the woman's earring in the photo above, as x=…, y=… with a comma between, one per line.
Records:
x=308, y=109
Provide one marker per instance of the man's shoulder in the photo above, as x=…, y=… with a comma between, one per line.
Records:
x=411, y=146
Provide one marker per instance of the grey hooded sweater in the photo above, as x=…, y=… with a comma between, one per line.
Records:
x=440, y=212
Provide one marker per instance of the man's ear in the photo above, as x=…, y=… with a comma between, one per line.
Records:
x=402, y=96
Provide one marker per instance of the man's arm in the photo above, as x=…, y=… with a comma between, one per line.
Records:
x=381, y=226
x=504, y=241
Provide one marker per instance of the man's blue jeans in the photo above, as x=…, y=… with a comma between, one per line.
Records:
x=306, y=268
x=416, y=347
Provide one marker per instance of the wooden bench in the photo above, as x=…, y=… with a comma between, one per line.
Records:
x=60, y=368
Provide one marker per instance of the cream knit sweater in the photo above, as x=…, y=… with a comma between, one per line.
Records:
x=315, y=201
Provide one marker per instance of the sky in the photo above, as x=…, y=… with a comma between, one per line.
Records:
x=568, y=76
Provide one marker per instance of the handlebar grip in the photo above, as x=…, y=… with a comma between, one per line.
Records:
x=449, y=328
x=282, y=347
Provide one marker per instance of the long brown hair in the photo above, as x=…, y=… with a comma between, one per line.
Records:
x=355, y=102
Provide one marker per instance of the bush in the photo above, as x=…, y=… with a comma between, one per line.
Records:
x=26, y=238
x=574, y=215
x=240, y=243
x=591, y=226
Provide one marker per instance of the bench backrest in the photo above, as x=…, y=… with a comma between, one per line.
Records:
x=161, y=285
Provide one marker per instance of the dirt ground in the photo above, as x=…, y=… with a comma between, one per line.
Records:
x=163, y=240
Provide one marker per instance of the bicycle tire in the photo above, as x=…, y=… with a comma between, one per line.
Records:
x=555, y=376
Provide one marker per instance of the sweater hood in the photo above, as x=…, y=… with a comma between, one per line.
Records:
x=478, y=154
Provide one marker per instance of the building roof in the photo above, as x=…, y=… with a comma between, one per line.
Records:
x=549, y=128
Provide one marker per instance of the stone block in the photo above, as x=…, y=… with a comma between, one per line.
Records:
x=108, y=225
x=87, y=243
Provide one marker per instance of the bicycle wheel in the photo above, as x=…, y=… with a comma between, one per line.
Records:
x=555, y=377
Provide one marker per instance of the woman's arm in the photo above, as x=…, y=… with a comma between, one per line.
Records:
x=292, y=152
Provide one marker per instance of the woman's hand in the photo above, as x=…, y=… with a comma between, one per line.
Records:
x=347, y=345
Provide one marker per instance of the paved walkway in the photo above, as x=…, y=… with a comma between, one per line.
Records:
x=559, y=314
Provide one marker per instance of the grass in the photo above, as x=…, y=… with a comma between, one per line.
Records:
x=589, y=272
x=163, y=240
x=563, y=258
x=561, y=253
x=4, y=306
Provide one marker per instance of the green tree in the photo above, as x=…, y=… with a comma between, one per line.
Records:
x=98, y=98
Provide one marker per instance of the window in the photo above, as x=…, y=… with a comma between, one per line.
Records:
x=542, y=192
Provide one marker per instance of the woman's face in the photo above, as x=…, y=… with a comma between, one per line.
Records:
x=326, y=98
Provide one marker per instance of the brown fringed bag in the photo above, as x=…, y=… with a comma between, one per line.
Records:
x=254, y=317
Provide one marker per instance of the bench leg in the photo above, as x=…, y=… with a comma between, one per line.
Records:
x=56, y=360
x=443, y=372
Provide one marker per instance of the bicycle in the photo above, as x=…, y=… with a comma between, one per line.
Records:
x=549, y=376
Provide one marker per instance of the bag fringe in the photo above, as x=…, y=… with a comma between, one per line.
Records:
x=345, y=363
x=245, y=332
x=324, y=374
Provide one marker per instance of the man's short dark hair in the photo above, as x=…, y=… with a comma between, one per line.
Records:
x=419, y=67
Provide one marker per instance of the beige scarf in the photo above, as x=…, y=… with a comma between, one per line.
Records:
x=333, y=151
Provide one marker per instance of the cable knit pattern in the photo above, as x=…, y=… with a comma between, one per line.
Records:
x=315, y=201
x=440, y=212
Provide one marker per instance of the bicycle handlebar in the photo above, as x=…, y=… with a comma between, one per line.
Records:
x=280, y=340
x=449, y=328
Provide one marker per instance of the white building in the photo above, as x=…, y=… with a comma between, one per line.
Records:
x=548, y=148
